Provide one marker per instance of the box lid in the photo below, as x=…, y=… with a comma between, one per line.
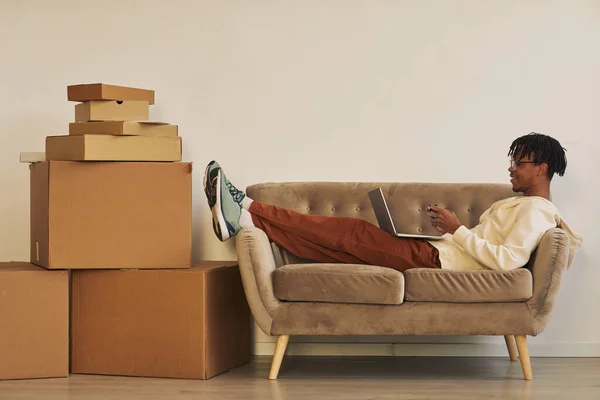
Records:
x=103, y=91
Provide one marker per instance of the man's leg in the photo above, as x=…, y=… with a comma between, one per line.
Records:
x=320, y=238
x=340, y=239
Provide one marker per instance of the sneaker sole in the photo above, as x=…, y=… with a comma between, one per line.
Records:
x=217, y=214
x=215, y=218
x=205, y=179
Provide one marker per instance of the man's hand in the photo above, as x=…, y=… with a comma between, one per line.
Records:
x=442, y=219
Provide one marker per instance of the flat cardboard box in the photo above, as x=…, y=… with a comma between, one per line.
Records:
x=108, y=110
x=112, y=148
x=111, y=215
x=34, y=322
x=102, y=91
x=136, y=128
x=189, y=324
x=32, y=157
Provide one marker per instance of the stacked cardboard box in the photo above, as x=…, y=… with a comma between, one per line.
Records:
x=111, y=202
x=107, y=199
x=191, y=323
x=111, y=124
x=34, y=322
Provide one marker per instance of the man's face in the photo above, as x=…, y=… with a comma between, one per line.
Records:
x=523, y=173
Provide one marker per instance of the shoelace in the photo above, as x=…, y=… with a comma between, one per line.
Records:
x=237, y=194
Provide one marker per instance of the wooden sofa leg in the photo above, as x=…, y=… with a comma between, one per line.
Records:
x=510, y=345
x=524, y=356
x=282, y=342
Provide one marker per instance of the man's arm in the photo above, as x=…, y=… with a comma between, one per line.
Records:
x=531, y=224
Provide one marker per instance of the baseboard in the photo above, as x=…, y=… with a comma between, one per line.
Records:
x=429, y=349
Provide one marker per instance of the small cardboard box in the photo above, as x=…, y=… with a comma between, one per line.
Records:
x=143, y=128
x=34, y=322
x=102, y=91
x=107, y=110
x=191, y=323
x=112, y=148
x=111, y=215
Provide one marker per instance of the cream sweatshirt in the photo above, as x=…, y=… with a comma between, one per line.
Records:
x=507, y=234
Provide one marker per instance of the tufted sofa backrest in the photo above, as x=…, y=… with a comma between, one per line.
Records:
x=407, y=201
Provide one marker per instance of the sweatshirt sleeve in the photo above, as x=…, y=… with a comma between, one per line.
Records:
x=530, y=225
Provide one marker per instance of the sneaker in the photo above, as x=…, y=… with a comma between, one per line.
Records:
x=225, y=210
x=236, y=193
x=209, y=174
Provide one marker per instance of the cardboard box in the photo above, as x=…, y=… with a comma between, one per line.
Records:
x=102, y=91
x=112, y=148
x=34, y=322
x=144, y=128
x=111, y=215
x=106, y=110
x=32, y=157
x=191, y=323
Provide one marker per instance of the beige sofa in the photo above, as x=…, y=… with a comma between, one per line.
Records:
x=290, y=296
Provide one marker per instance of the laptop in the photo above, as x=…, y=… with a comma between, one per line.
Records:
x=384, y=218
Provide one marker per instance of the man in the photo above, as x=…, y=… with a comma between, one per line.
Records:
x=508, y=232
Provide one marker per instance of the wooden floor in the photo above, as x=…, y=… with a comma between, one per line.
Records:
x=345, y=378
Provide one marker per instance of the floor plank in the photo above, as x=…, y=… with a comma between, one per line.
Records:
x=347, y=378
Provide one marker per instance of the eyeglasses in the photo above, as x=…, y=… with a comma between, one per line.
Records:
x=515, y=164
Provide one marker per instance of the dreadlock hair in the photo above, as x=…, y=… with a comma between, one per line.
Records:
x=544, y=149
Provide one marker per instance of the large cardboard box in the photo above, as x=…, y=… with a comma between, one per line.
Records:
x=191, y=323
x=102, y=91
x=106, y=110
x=143, y=128
x=111, y=215
x=34, y=322
x=112, y=148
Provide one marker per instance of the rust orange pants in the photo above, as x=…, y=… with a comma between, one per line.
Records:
x=341, y=239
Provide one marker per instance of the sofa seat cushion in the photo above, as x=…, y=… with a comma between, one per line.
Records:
x=339, y=283
x=438, y=285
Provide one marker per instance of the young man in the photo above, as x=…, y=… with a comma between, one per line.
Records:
x=508, y=232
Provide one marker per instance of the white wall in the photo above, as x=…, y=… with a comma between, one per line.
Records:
x=327, y=90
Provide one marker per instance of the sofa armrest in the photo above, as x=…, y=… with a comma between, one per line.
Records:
x=257, y=264
x=548, y=264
